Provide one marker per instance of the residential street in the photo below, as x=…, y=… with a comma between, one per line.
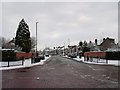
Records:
x=61, y=72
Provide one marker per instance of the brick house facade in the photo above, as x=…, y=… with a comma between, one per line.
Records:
x=107, y=44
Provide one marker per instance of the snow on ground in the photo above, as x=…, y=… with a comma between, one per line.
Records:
x=96, y=61
x=18, y=64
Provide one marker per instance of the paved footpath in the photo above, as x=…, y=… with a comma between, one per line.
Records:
x=61, y=72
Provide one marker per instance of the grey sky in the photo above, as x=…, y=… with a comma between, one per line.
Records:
x=60, y=21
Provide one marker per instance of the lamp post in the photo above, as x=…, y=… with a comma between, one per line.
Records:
x=36, y=39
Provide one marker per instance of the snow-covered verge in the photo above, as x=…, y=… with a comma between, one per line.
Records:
x=17, y=64
x=96, y=61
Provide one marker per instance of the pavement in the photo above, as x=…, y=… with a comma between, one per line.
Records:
x=96, y=61
x=62, y=73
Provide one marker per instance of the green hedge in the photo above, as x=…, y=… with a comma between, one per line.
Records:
x=8, y=55
x=113, y=55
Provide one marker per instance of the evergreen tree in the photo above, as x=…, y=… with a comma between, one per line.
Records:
x=80, y=43
x=22, y=38
x=90, y=44
x=80, y=46
x=85, y=44
x=85, y=47
x=96, y=41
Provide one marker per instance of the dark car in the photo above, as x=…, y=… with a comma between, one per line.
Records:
x=41, y=57
x=47, y=55
x=38, y=58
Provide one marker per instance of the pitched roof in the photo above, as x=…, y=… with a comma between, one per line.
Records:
x=110, y=39
x=12, y=41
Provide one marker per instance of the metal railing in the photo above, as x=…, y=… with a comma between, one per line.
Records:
x=11, y=63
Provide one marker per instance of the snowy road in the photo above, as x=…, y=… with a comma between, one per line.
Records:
x=62, y=73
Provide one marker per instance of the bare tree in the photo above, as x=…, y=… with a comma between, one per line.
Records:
x=3, y=42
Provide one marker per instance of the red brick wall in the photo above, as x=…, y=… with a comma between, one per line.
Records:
x=21, y=55
x=95, y=54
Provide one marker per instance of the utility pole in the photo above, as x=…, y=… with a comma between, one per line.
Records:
x=36, y=38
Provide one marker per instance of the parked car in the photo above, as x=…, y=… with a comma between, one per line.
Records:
x=41, y=57
x=47, y=55
x=38, y=58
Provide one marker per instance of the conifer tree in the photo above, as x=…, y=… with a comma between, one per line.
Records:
x=22, y=38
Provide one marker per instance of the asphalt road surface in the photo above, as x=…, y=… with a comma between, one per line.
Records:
x=61, y=72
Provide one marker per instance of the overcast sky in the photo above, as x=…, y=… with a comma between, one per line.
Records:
x=60, y=21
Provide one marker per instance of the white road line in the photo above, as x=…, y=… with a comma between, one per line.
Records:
x=51, y=68
x=94, y=68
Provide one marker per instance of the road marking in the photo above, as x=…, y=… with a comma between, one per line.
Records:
x=102, y=80
x=87, y=75
x=82, y=76
x=104, y=75
x=72, y=67
x=94, y=68
x=93, y=77
x=51, y=68
x=114, y=82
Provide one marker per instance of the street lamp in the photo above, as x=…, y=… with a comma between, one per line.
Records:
x=36, y=38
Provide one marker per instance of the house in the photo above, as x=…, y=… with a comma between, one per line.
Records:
x=73, y=49
x=107, y=43
x=10, y=44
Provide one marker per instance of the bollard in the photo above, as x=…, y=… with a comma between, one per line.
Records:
x=84, y=58
x=106, y=61
x=8, y=63
x=97, y=59
x=32, y=60
x=22, y=60
x=91, y=59
x=87, y=58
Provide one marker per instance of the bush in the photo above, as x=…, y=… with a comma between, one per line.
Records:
x=8, y=55
x=113, y=55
